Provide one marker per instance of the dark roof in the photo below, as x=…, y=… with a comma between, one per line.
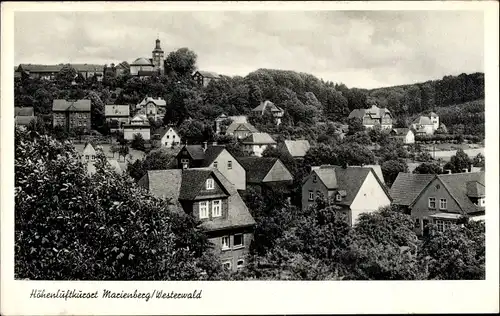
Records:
x=23, y=111
x=71, y=106
x=208, y=74
x=374, y=112
x=235, y=126
x=124, y=65
x=41, y=68
x=88, y=67
x=348, y=179
x=195, y=151
x=256, y=167
x=475, y=189
x=211, y=154
x=177, y=184
x=407, y=187
x=456, y=184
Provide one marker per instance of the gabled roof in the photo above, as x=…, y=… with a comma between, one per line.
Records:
x=235, y=126
x=41, y=68
x=88, y=67
x=155, y=101
x=258, y=138
x=257, y=167
x=267, y=104
x=182, y=184
x=422, y=120
x=348, y=179
x=401, y=131
x=407, y=187
x=211, y=154
x=208, y=74
x=89, y=149
x=141, y=61
x=163, y=130
x=195, y=151
x=374, y=112
x=456, y=184
x=297, y=148
x=475, y=189
x=24, y=111
x=116, y=110
x=71, y=106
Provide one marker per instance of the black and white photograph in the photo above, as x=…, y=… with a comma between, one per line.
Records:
x=240, y=145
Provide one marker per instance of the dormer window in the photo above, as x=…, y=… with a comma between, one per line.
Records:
x=315, y=178
x=210, y=184
x=338, y=197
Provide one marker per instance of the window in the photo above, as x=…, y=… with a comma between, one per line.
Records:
x=447, y=225
x=318, y=194
x=168, y=136
x=173, y=136
x=210, y=184
x=338, y=197
x=240, y=263
x=432, y=202
x=215, y=164
x=216, y=208
x=229, y=164
x=311, y=196
x=227, y=265
x=440, y=225
x=204, y=209
x=225, y=242
x=238, y=241
x=443, y=204
x=315, y=178
x=417, y=223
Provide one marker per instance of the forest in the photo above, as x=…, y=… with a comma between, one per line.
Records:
x=309, y=102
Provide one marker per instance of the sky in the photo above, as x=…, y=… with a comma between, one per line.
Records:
x=363, y=49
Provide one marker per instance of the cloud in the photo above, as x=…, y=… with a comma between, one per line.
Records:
x=359, y=48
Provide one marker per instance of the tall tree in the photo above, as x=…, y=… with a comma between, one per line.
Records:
x=181, y=62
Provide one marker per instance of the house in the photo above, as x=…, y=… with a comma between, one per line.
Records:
x=296, y=148
x=442, y=199
x=122, y=69
x=241, y=130
x=267, y=105
x=256, y=143
x=152, y=107
x=89, y=152
x=204, y=77
x=23, y=116
x=166, y=137
x=211, y=198
x=139, y=124
x=373, y=116
x=88, y=71
x=232, y=119
x=47, y=72
x=265, y=171
x=71, y=114
x=404, y=135
x=197, y=156
x=426, y=124
x=354, y=190
x=117, y=115
x=146, y=67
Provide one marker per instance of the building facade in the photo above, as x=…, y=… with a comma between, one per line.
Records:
x=374, y=116
x=268, y=106
x=117, y=116
x=256, y=143
x=71, y=114
x=203, y=78
x=139, y=124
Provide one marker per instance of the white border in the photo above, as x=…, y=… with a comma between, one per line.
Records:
x=257, y=297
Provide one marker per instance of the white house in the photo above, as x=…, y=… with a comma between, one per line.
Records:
x=353, y=190
x=405, y=135
x=256, y=143
x=426, y=124
x=139, y=124
x=152, y=107
x=168, y=137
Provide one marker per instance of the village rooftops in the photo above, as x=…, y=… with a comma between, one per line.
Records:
x=264, y=105
x=155, y=101
x=247, y=127
x=258, y=168
x=207, y=74
x=374, y=112
x=258, y=138
x=185, y=185
x=206, y=155
x=56, y=68
x=24, y=111
x=141, y=61
x=71, y=106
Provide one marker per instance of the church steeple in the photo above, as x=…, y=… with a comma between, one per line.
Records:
x=158, y=57
x=158, y=48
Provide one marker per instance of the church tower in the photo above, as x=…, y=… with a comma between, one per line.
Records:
x=158, y=57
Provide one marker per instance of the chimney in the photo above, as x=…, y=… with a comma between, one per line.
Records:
x=205, y=146
x=471, y=167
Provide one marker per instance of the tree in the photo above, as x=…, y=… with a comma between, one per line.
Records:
x=354, y=154
x=391, y=169
x=138, y=142
x=458, y=253
x=123, y=151
x=428, y=168
x=458, y=162
x=479, y=160
x=155, y=160
x=65, y=76
x=181, y=62
x=73, y=226
x=321, y=154
x=355, y=125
